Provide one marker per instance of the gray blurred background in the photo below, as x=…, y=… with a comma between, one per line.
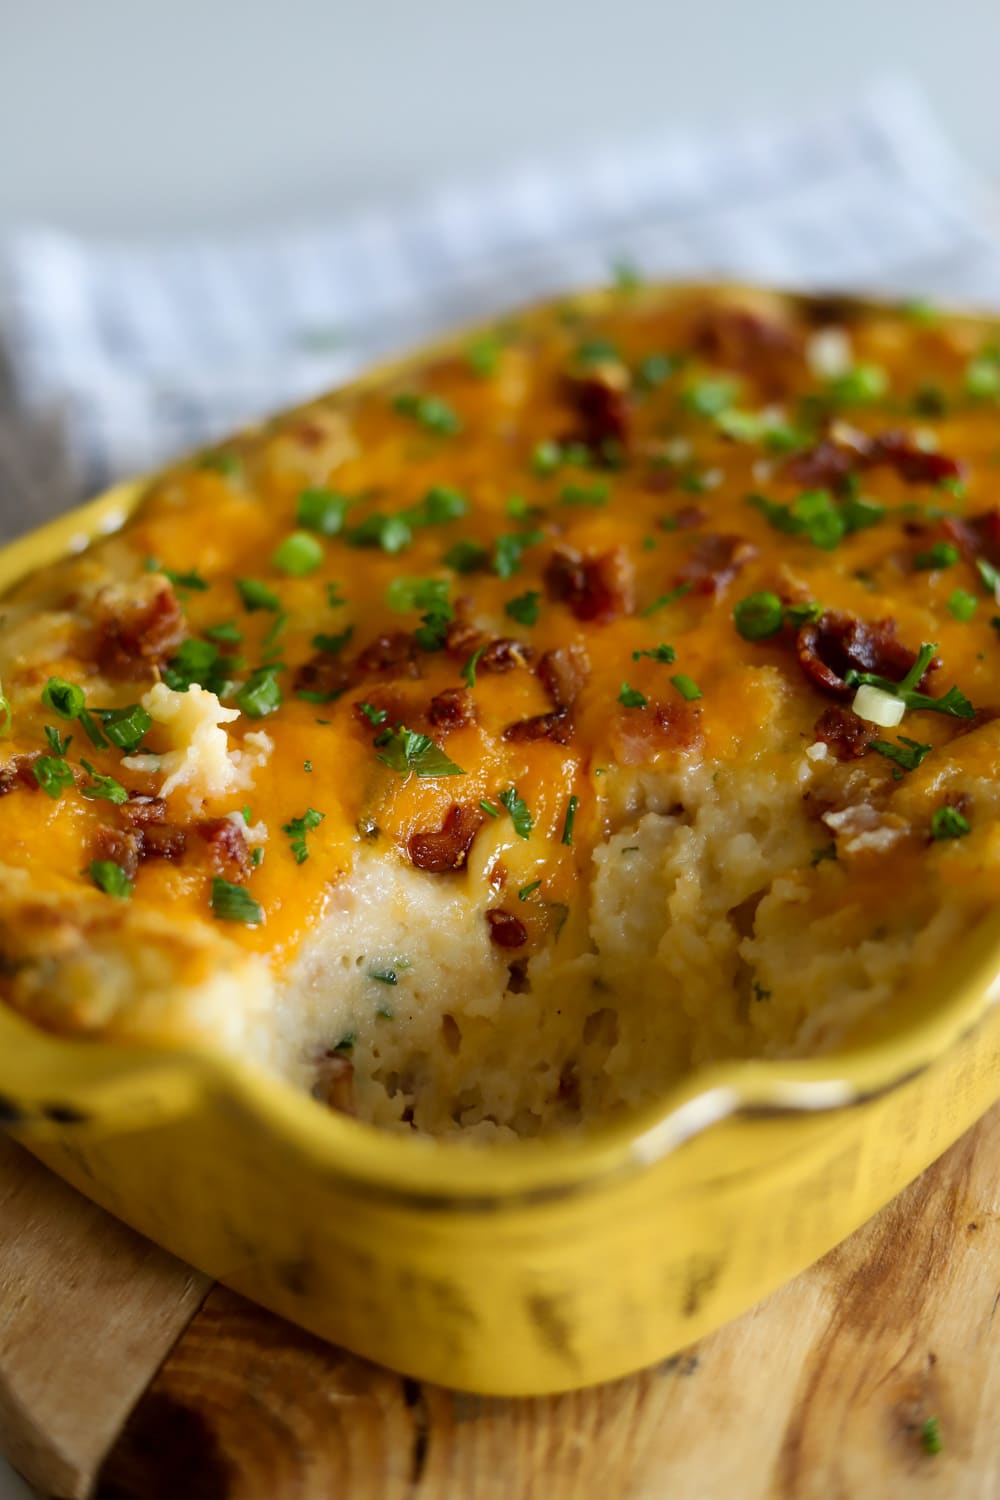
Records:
x=117, y=115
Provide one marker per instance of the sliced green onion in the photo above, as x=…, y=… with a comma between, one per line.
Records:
x=631, y=697
x=64, y=698
x=261, y=694
x=759, y=616
x=322, y=511
x=234, y=903
x=570, y=819
x=686, y=686
x=53, y=775
x=298, y=555
x=110, y=878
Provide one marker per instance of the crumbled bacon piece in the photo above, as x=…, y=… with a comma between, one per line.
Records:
x=825, y=466
x=595, y=588
x=503, y=655
x=397, y=653
x=163, y=841
x=830, y=462
x=452, y=709
x=139, y=626
x=562, y=673
x=664, y=728
x=978, y=537
x=227, y=845
x=138, y=810
x=325, y=675
x=739, y=339
x=913, y=464
x=123, y=847
x=847, y=735
x=505, y=929
x=600, y=402
x=461, y=637
x=143, y=839
x=17, y=772
x=446, y=848
x=689, y=517
x=554, y=726
x=829, y=647
x=334, y=1085
x=714, y=561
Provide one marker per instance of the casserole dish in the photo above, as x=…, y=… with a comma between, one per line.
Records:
x=511, y=1267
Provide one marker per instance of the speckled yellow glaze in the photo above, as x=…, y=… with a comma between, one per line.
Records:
x=513, y=1269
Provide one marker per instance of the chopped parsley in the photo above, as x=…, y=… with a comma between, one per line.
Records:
x=948, y=823
x=518, y=809
x=524, y=609
x=234, y=903
x=816, y=515
x=982, y=375
x=322, y=511
x=483, y=355
x=759, y=616
x=6, y=712
x=953, y=701
x=631, y=697
x=391, y=533
x=528, y=890
x=298, y=555
x=508, y=549
x=190, y=580
x=440, y=504
x=417, y=593
x=200, y=662
x=489, y=809
x=430, y=411
x=686, y=686
x=405, y=750
x=469, y=670
x=662, y=653
x=110, y=878
x=908, y=754
x=256, y=595
x=569, y=820
x=546, y=457
x=655, y=369
x=53, y=775
x=297, y=830
x=261, y=693
x=665, y=599
x=374, y=715
x=941, y=555
x=102, y=788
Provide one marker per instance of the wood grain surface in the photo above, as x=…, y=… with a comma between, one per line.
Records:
x=820, y=1393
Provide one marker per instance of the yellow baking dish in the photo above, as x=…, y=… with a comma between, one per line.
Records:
x=510, y=1269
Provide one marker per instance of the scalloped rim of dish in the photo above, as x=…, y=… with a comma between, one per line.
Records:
x=124, y=1088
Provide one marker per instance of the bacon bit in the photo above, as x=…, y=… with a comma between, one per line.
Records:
x=597, y=588
x=689, y=517
x=830, y=462
x=163, y=841
x=139, y=626
x=138, y=810
x=830, y=646
x=600, y=402
x=555, y=726
x=227, y=844
x=503, y=655
x=666, y=727
x=714, y=561
x=334, y=1085
x=847, y=735
x=498, y=875
x=562, y=673
x=17, y=772
x=452, y=709
x=462, y=637
x=396, y=653
x=505, y=929
x=913, y=464
x=978, y=537
x=825, y=466
x=446, y=848
x=739, y=339
x=123, y=848
x=323, y=674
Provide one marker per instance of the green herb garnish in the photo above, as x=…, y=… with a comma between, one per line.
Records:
x=908, y=754
x=467, y=557
x=374, y=715
x=962, y=604
x=102, y=788
x=759, y=616
x=405, y=750
x=941, y=555
x=858, y=387
x=570, y=819
x=662, y=653
x=256, y=595
x=124, y=727
x=707, y=398
x=518, y=809
x=110, y=878
x=524, y=609
x=527, y=890
x=322, y=511
x=64, y=698
x=234, y=903
x=665, y=599
x=631, y=697
x=261, y=693
x=508, y=549
x=53, y=775
x=953, y=702
x=58, y=743
x=468, y=673
x=297, y=830
x=948, y=823
x=430, y=411
x=687, y=687
x=930, y=1437
x=299, y=554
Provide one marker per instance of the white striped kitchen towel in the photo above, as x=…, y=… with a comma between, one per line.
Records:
x=116, y=356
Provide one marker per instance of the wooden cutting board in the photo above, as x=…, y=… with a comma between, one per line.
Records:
x=125, y=1376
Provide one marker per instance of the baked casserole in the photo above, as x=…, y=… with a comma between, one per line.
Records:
x=485, y=749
